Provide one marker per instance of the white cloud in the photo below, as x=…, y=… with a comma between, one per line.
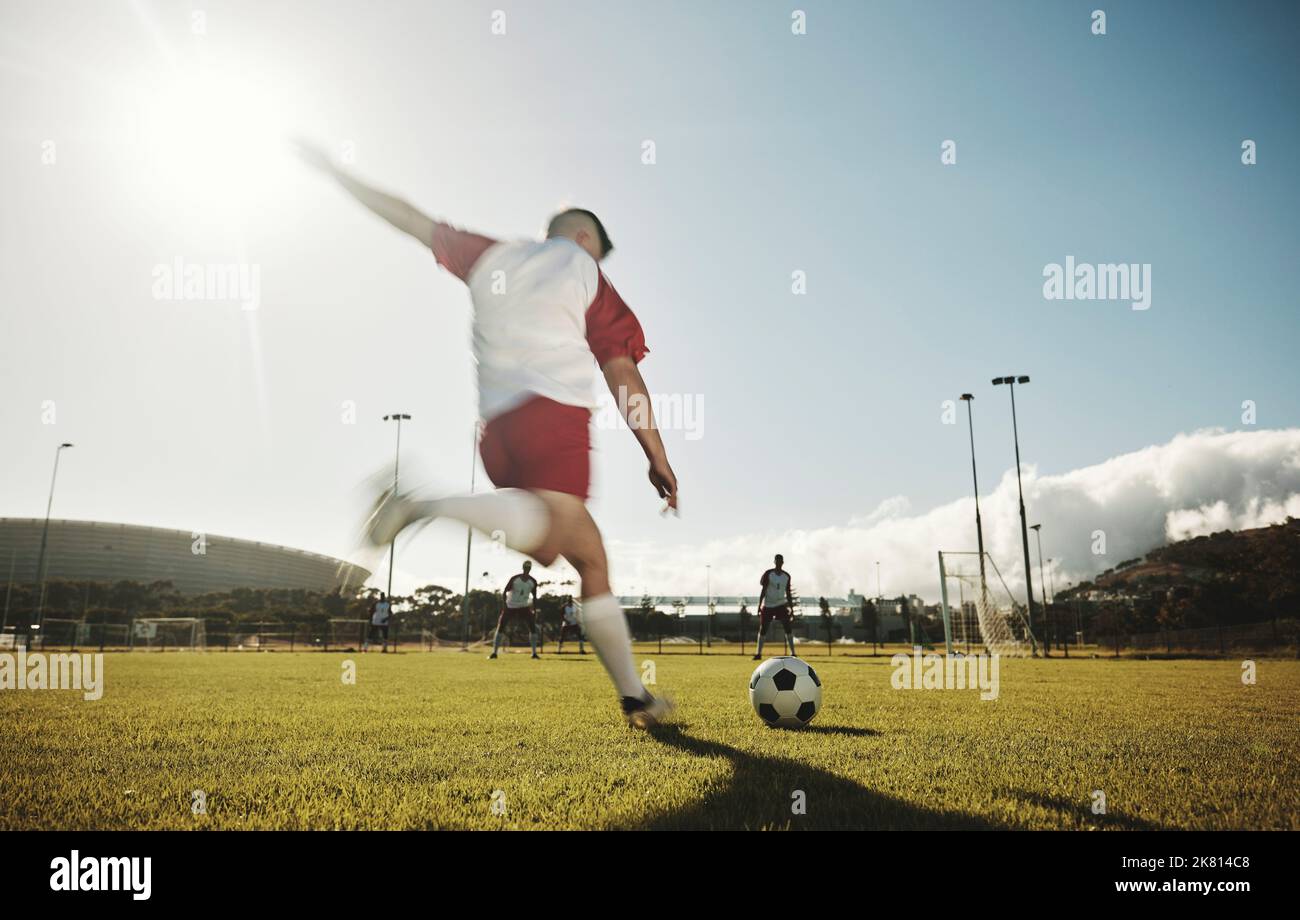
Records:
x=1196, y=483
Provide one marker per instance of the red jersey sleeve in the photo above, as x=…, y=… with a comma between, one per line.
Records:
x=457, y=250
x=612, y=328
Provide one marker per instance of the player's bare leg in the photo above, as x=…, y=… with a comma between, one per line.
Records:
x=574, y=535
x=545, y=525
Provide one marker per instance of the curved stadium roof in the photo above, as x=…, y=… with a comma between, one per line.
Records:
x=98, y=551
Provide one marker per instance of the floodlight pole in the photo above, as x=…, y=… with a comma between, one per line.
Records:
x=398, y=417
x=1042, y=583
x=469, y=541
x=1011, y=382
x=969, y=399
x=45, y=537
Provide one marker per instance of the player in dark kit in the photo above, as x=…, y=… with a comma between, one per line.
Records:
x=519, y=601
x=774, y=602
x=569, y=626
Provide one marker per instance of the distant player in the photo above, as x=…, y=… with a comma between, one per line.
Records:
x=569, y=625
x=519, y=606
x=774, y=602
x=547, y=324
x=380, y=611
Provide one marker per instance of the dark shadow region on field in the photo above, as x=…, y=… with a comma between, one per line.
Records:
x=760, y=793
x=1083, y=813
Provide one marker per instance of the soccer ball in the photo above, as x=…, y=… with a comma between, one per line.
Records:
x=785, y=692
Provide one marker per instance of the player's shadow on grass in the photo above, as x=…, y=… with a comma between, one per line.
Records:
x=762, y=790
x=1083, y=812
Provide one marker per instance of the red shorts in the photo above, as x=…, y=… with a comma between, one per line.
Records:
x=768, y=614
x=541, y=444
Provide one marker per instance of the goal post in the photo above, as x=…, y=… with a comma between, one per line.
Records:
x=162, y=633
x=1001, y=623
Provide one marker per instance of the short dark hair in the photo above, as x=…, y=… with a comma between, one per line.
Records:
x=606, y=245
x=779, y=558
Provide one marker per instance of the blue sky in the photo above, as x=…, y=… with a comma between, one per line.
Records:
x=775, y=153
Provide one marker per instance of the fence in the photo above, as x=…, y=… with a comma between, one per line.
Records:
x=1275, y=637
x=679, y=636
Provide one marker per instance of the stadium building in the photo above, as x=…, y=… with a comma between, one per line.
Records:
x=95, y=551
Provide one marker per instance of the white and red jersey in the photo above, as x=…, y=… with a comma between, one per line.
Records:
x=542, y=310
x=776, y=588
x=519, y=591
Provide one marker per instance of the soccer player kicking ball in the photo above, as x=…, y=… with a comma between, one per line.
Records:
x=569, y=624
x=774, y=603
x=546, y=319
x=520, y=597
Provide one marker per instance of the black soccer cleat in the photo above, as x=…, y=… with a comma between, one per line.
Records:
x=646, y=713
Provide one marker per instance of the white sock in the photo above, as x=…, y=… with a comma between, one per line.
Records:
x=606, y=628
x=520, y=517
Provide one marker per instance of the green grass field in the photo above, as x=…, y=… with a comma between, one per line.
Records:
x=423, y=740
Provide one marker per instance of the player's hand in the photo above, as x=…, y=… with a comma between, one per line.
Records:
x=664, y=480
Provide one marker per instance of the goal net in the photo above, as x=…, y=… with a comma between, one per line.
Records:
x=986, y=612
x=162, y=633
x=346, y=633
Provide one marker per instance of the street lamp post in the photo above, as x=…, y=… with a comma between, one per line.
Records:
x=45, y=538
x=969, y=399
x=398, y=417
x=708, y=603
x=1011, y=382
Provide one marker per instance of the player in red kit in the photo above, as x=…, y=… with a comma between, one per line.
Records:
x=547, y=325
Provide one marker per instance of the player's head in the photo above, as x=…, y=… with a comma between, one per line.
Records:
x=584, y=228
x=528, y=566
x=779, y=560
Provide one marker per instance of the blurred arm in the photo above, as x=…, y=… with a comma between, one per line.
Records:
x=396, y=211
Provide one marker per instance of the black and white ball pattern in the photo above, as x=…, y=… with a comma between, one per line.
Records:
x=785, y=692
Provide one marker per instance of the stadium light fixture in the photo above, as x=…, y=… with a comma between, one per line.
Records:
x=1011, y=380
